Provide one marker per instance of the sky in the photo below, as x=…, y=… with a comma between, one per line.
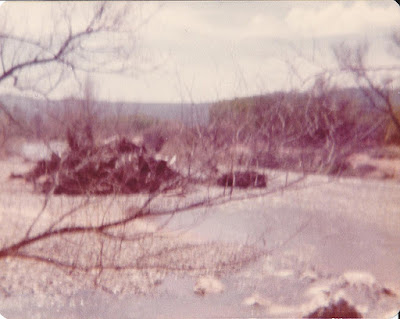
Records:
x=212, y=50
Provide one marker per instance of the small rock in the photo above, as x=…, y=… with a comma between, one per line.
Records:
x=359, y=278
x=309, y=275
x=255, y=300
x=323, y=287
x=208, y=285
x=284, y=273
x=388, y=292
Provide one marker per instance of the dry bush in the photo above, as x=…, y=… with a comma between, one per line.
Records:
x=126, y=124
x=313, y=131
x=392, y=134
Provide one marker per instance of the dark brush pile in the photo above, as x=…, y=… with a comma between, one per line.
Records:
x=118, y=167
x=243, y=179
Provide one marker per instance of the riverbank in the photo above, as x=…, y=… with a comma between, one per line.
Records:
x=324, y=239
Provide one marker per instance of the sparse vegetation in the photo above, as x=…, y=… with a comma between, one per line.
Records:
x=392, y=133
x=123, y=170
x=314, y=131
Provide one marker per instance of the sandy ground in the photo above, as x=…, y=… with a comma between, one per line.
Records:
x=374, y=164
x=326, y=239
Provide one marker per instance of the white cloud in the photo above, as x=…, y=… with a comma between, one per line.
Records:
x=220, y=50
x=236, y=21
x=322, y=19
x=184, y=19
x=337, y=19
x=265, y=25
x=223, y=49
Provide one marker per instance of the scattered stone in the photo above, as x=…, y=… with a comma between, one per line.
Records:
x=359, y=278
x=309, y=275
x=388, y=292
x=255, y=300
x=284, y=273
x=321, y=288
x=208, y=285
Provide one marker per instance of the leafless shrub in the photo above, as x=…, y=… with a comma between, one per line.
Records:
x=376, y=83
x=40, y=63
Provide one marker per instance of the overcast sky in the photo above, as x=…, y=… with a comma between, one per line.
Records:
x=221, y=49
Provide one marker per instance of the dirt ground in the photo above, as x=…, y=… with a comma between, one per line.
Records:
x=379, y=163
x=326, y=239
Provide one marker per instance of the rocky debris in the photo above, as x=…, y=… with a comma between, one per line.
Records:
x=243, y=179
x=208, y=285
x=352, y=287
x=255, y=300
x=339, y=309
x=309, y=275
x=358, y=278
x=388, y=292
x=364, y=281
x=116, y=167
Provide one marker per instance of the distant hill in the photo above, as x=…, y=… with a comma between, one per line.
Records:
x=188, y=113
x=355, y=96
